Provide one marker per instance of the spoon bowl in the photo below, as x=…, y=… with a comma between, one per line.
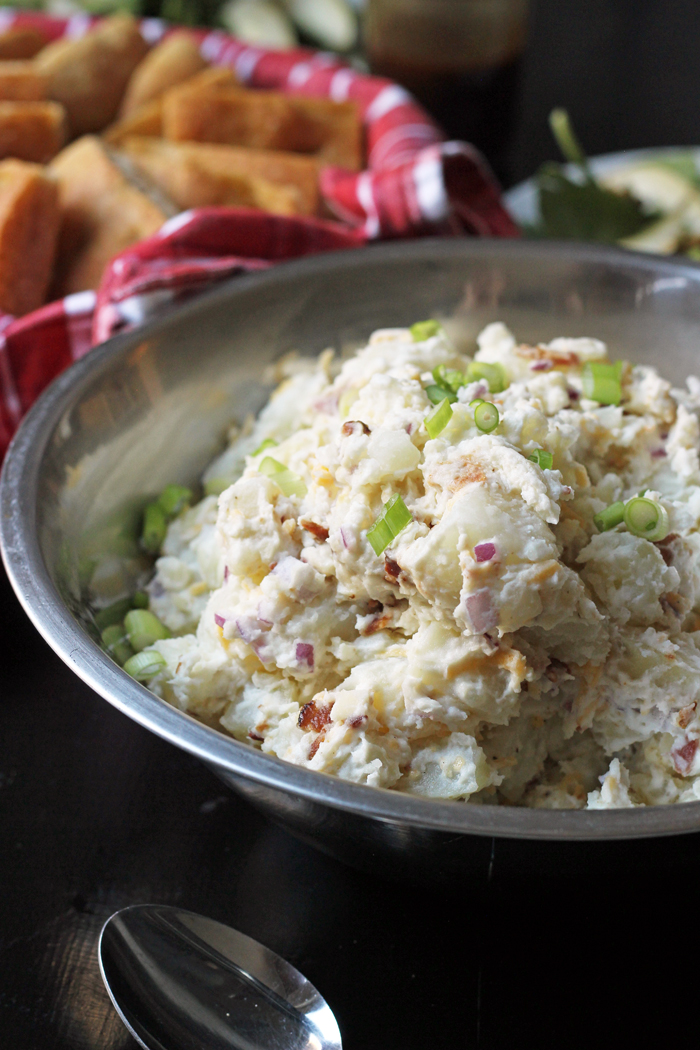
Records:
x=180, y=981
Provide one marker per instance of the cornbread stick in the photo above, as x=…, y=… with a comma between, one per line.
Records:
x=89, y=75
x=176, y=59
x=20, y=82
x=21, y=43
x=147, y=119
x=265, y=120
x=101, y=214
x=197, y=174
x=33, y=131
x=29, y=221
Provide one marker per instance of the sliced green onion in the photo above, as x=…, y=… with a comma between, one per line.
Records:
x=285, y=479
x=173, y=499
x=436, y=394
x=422, y=330
x=437, y=420
x=601, y=382
x=215, y=486
x=610, y=517
x=116, y=643
x=139, y=601
x=644, y=517
x=486, y=417
x=542, y=458
x=449, y=378
x=494, y=374
x=476, y=401
x=112, y=614
x=394, y=518
x=267, y=443
x=145, y=665
x=154, y=528
x=143, y=629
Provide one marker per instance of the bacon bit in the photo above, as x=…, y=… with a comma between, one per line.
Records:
x=685, y=715
x=377, y=624
x=354, y=426
x=312, y=716
x=392, y=568
x=664, y=545
x=315, y=744
x=561, y=358
x=319, y=532
x=671, y=602
x=357, y=721
x=255, y=736
x=374, y=606
x=555, y=669
x=573, y=394
x=683, y=757
x=467, y=473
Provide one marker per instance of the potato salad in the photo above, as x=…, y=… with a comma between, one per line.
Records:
x=465, y=578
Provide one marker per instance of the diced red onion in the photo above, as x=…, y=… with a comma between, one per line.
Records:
x=219, y=620
x=541, y=366
x=481, y=611
x=226, y=573
x=683, y=757
x=659, y=453
x=485, y=551
x=347, y=538
x=328, y=403
x=249, y=628
x=265, y=613
x=573, y=394
x=305, y=655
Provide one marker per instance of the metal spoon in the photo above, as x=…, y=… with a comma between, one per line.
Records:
x=180, y=981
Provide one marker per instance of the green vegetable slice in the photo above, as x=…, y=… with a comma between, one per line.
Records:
x=438, y=419
x=154, y=528
x=494, y=374
x=644, y=517
x=116, y=643
x=285, y=479
x=486, y=417
x=436, y=394
x=173, y=499
x=267, y=443
x=215, y=486
x=422, y=330
x=139, y=600
x=143, y=629
x=112, y=614
x=394, y=518
x=601, y=382
x=143, y=666
x=610, y=517
x=542, y=458
x=449, y=378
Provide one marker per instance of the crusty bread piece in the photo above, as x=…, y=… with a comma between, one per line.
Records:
x=89, y=75
x=148, y=119
x=33, y=131
x=196, y=174
x=20, y=81
x=21, y=43
x=101, y=214
x=329, y=130
x=176, y=59
x=29, y=221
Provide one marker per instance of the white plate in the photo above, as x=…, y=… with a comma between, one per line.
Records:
x=522, y=200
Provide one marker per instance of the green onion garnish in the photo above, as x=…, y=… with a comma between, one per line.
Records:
x=144, y=665
x=422, y=330
x=215, y=486
x=486, y=417
x=436, y=394
x=285, y=479
x=601, y=382
x=139, y=601
x=173, y=499
x=395, y=517
x=610, y=517
x=112, y=614
x=154, y=528
x=267, y=443
x=476, y=401
x=449, y=378
x=542, y=458
x=644, y=517
x=143, y=629
x=116, y=643
x=437, y=420
x=494, y=374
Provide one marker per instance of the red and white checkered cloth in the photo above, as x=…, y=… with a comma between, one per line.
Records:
x=415, y=184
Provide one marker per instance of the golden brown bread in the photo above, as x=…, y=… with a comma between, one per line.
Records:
x=329, y=130
x=21, y=43
x=20, y=81
x=101, y=214
x=176, y=59
x=197, y=174
x=29, y=221
x=89, y=75
x=33, y=131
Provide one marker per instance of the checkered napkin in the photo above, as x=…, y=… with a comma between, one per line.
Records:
x=415, y=184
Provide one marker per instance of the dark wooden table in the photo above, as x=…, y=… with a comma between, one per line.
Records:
x=96, y=813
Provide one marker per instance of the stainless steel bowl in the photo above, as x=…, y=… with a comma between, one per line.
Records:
x=150, y=407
